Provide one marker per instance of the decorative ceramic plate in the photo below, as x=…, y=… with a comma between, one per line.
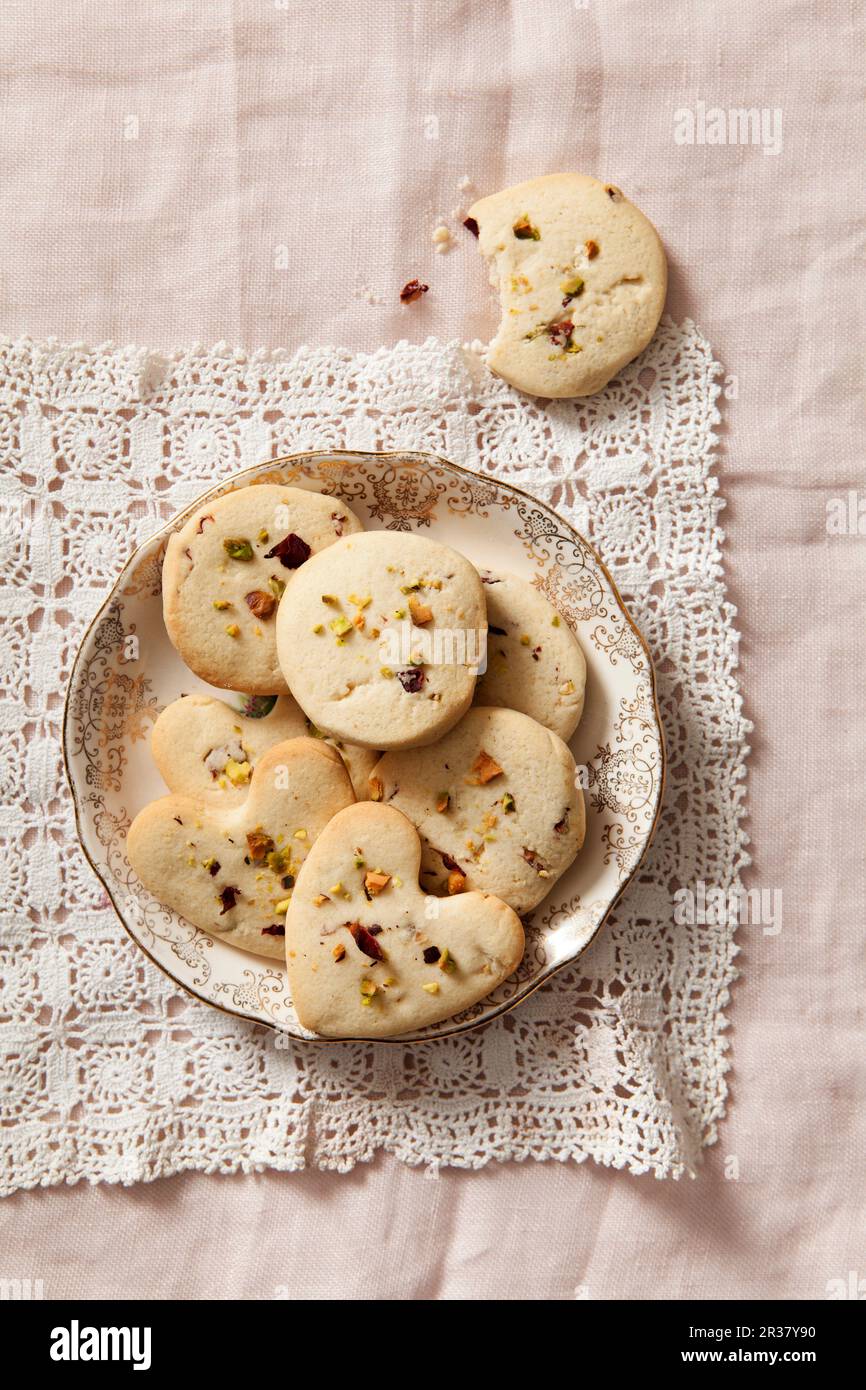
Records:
x=127, y=671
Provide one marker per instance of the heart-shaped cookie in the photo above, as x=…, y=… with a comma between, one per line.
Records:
x=232, y=872
x=205, y=748
x=497, y=803
x=369, y=954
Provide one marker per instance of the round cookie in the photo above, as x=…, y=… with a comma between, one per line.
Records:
x=496, y=804
x=369, y=954
x=380, y=638
x=205, y=748
x=232, y=871
x=534, y=662
x=582, y=278
x=225, y=571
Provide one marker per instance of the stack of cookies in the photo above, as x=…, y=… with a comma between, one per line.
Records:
x=393, y=789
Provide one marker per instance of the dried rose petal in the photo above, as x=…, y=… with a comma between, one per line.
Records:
x=201, y=522
x=365, y=941
x=213, y=868
x=449, y=862
x=531, y=857
x=471, y=225
x=562, y=825
x=560, y=333
x=291, y=551
x=412, y=290
x=431, y=955
x=411, y=680
x=228, y=898
x=339, y=521
x=275, y=930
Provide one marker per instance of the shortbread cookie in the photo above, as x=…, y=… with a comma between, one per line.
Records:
x=205, y=748
x=582, y=278
x=534, y=662
x=368, y=954
x=380, y=638
x=496, y=803
x=226, y=569
x=232, y=872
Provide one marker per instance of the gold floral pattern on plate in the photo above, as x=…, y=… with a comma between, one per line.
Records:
x=126, y=670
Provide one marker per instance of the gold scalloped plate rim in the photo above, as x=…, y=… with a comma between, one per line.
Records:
x=409, y=455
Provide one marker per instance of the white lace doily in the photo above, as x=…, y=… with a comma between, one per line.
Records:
x=110, y=1074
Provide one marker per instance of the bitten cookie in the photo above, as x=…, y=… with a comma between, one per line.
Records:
x=496, y=803
x=225, y=571
x=205, y=748
x=232, y=872
x=380, y=638
x=582, y=279
x=534, y=662
x=368, y=954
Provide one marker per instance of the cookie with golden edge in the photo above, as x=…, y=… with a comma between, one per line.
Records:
x=582, y=278
x=496, y=802
x=226, y=569
x=232, y=871
x=534, y=660
x=368, y=953
x=205, y=748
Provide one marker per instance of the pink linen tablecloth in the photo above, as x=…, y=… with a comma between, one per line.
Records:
x=270, y=174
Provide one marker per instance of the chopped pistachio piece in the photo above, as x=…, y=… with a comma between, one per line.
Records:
x=221, y=604
x=484, y=769
x=237, y=773
x=431, y=988
x=238, y=548
x=525, y=231
x=572, y=287
x=421, y=613
x=375, y=881
x=233, y=630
